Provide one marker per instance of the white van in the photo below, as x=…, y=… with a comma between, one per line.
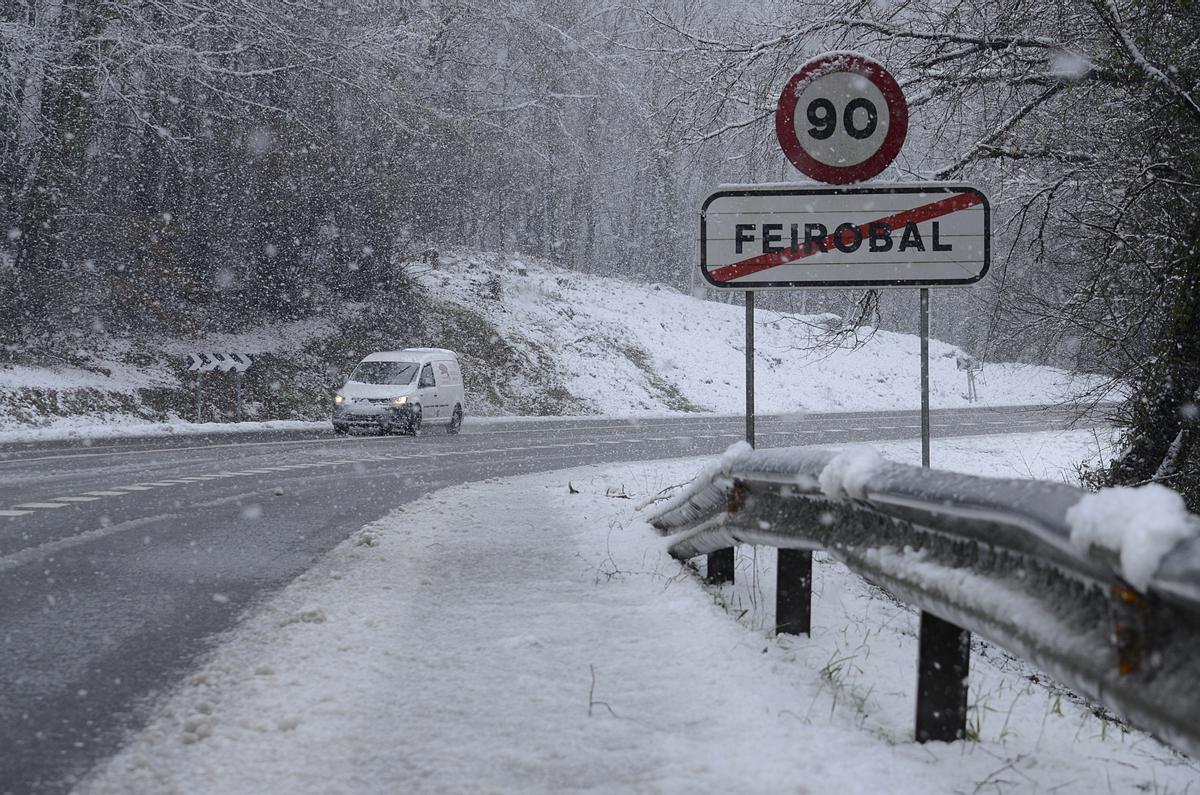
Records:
x=401, y=391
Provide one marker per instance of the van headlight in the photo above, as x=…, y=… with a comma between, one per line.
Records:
x=399, y=400
x=338, y=400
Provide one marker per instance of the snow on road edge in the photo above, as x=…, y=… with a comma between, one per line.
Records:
x=549, y=644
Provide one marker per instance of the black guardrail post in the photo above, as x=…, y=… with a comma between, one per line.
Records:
x=793, y=592
x=720, y=566
x=942, y=668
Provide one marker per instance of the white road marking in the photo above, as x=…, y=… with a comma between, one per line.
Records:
x=36, y=553
x=106, y=493
x=41, y=505
x=161, y=483
x=15, y=513
x=76, y=499
x=134, y=488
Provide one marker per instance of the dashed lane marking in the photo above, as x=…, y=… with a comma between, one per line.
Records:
x=106, y=493
x=76, y=499
x=41, y=505
x=161, y=483
x=134, y=488
x=15, y=513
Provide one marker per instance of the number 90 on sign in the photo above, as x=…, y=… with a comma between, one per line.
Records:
x=823, y=116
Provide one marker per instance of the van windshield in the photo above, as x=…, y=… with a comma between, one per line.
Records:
x=384, y=372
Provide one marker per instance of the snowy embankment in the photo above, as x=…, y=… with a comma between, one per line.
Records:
x=535, y=340
x=634, y=349
x=549, y=644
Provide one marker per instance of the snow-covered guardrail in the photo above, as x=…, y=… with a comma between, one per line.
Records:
x=1101, y=591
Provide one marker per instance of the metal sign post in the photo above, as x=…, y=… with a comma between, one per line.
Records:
x=750, y=367
x=841, y=119
x=925, y=376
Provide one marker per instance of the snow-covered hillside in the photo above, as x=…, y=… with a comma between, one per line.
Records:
x=535, y=340
x=632, y=349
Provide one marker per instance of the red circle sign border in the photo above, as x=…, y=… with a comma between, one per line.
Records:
x=785, y=115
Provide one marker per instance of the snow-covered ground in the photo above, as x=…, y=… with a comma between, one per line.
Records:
x=631, y=349
x=549, y=644
x=537, y=339
x=88, y=428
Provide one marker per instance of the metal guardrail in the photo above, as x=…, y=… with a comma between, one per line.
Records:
x=989, y=555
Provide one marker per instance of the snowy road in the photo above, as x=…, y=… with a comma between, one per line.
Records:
x=120, y=561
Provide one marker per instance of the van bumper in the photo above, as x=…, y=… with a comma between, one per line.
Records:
x=372, y=415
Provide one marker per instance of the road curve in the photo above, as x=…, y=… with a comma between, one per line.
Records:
x=121, y=560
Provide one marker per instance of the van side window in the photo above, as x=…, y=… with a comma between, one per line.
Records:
x=426, y=377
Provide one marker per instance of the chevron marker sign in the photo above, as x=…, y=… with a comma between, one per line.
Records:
x=222, y=362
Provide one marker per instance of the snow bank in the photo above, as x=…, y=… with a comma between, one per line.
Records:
x=1140, y=524
x=721, y=465
x=549, y=644
x=122, y=427
x=641, y=349
x=847, y=474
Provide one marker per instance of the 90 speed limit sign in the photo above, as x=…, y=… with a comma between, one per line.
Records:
x=841, y=118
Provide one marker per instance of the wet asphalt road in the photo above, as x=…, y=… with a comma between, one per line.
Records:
x=121, y=560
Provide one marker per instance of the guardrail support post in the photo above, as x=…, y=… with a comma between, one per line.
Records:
x=720, y=566
x=942, y=668
x=793, y=592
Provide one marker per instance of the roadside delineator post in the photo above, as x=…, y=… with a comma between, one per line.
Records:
x=236, y=363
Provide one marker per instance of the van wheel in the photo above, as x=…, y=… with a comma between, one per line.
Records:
x=414, y=424
x=455, y=421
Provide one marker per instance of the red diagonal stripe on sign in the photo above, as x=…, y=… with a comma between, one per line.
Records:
x=925, y=212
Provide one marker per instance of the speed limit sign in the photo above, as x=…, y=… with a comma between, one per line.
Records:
x=841, y=118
